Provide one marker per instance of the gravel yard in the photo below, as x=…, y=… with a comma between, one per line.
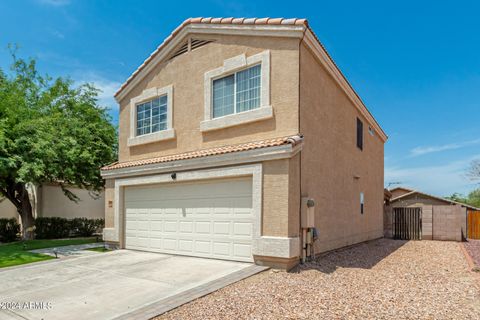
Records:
x=382, y=279
x=473, y=249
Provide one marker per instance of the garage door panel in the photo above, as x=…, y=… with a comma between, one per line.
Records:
x=169, y=244
x=242, y=250
x=242, y=229
x=202, y=247
x=156, y=226
x=208, y=219
x=221, y=248
x=221, y=228
x=185, y=227
x=185, y=245
x=202, y=227
x=170, y=226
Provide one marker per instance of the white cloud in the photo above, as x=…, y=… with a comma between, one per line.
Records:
x=56, y=3
x=57, y=34
x=440, y=180
x=107, y=88
x=418, y=151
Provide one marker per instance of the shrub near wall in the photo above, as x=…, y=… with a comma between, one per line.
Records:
x=84, y=227
x=9, y=230
x=56, y=228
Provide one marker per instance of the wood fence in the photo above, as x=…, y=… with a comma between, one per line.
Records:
x=473, y=224
x=407, y=223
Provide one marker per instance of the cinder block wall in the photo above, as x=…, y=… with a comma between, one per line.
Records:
x=387, y=221
x=449, y=222
x=439, y=222
x=427, y=222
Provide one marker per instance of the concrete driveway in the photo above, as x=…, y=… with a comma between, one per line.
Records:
x=119, y=284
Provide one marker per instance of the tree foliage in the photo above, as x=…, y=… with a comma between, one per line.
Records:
x=50, y=131
x=473, y=198
x=474, y=170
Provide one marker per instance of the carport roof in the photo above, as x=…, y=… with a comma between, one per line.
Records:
x=292, y=140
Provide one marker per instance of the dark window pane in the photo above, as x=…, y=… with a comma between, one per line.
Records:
x=359, y=134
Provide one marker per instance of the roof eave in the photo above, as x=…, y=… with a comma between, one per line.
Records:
x=235, y=158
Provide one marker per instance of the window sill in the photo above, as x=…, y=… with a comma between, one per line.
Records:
x=261, y=113
x=152, y=137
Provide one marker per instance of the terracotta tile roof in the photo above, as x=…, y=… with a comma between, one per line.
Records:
x=293, y=140
x=271, y=21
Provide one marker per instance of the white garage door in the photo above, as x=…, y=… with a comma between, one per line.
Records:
x=210, y=219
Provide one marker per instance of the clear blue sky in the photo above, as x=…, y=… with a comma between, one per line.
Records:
x=416, y=64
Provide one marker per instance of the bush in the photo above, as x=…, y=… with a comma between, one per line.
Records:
x=51, y=228
x=56, y=228
x=9, y=229
x=83, y=227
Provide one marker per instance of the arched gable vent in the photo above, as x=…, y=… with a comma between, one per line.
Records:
x=190, y=45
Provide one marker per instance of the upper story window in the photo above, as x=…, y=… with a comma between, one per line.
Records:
x=359, y=134
x=152, y=116
x=237, y=92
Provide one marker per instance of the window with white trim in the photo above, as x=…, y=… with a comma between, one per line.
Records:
x=152, y=116
x=237, y=92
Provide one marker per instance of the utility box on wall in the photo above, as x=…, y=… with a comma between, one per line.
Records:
x=308, y=213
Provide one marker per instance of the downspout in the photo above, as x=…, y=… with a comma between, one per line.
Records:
x=301, y=235
x=308, y=232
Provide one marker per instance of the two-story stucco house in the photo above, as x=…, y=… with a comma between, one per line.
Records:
x=224, y=129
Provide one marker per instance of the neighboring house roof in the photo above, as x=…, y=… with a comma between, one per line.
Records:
x=400, y=188
x=293, y=140
x=281, y=23
x=433, y=197
x=387, y=195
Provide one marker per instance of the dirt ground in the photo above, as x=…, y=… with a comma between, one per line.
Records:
x=382, y=279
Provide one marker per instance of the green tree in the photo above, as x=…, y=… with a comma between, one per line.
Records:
x=457, y=197
x=50, y=131
x=473, y=198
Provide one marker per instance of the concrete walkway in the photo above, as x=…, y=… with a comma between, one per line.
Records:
x=70, y=251
x=118, y=284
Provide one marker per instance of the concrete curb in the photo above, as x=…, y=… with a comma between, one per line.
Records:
x=164, y=305
x=49, y=261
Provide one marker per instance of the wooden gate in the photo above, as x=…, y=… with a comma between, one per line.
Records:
x=473, y=224
x=407, y=223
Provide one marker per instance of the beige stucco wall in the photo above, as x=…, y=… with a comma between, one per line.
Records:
x=186, y=74
x=331, y=160
x=7, y=210
x=280, y=198
x=53, y=203
x=109, y=203
x=294, y=197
